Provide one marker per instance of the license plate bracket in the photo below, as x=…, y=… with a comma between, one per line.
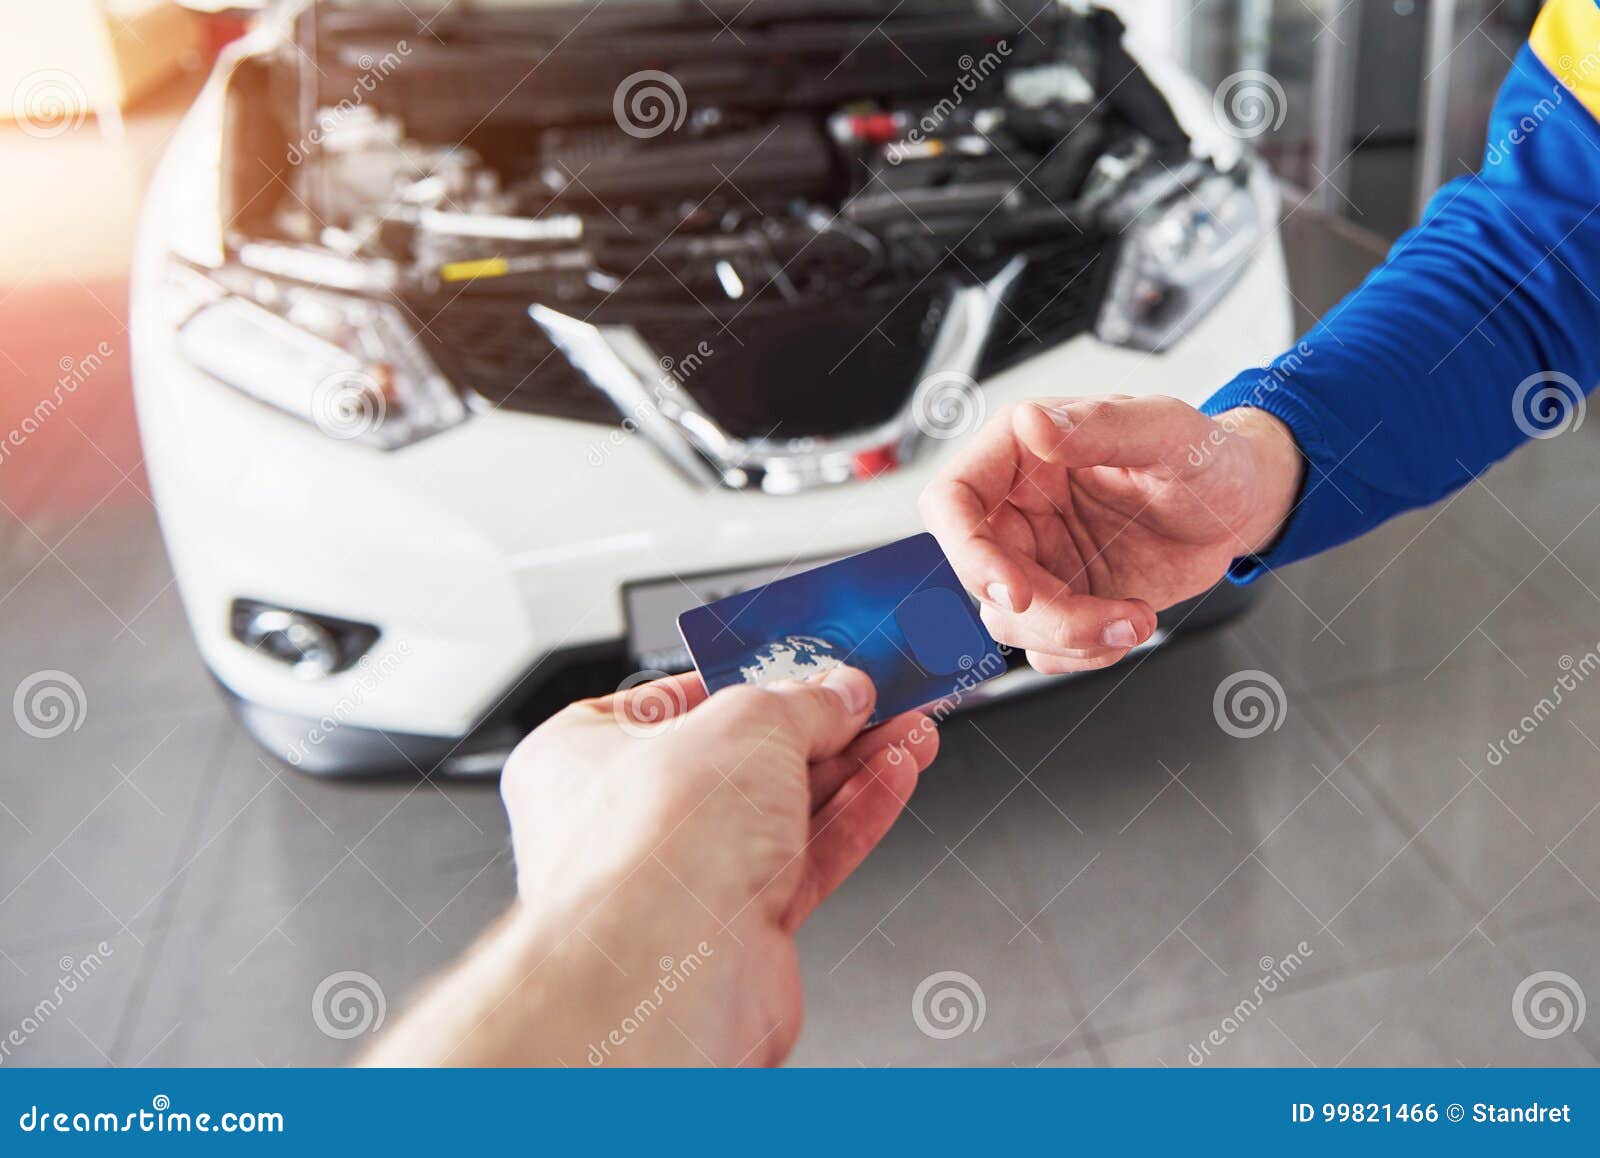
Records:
x=651, y=607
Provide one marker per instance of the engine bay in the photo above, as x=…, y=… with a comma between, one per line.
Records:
x=802, y=186
x=776, y=169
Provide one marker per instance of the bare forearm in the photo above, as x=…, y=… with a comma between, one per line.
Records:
x=516, y=998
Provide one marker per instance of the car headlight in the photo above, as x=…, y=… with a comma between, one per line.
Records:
x=1181, y=255
x=349, y=365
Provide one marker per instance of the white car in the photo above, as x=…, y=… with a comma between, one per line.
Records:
x=472, y=346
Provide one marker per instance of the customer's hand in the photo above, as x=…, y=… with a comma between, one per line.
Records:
x=1074, y=520
x=668, y=848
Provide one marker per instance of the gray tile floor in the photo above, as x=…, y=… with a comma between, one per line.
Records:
x=1120, y=879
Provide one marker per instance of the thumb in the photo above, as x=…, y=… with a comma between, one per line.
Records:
x=823, y=716
x=1131, y=432
x=817, y=719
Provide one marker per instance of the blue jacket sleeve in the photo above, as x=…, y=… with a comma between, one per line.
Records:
x=1481, y=329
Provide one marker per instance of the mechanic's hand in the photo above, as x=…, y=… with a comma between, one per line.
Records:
x=1074, y=520
x=668, y=847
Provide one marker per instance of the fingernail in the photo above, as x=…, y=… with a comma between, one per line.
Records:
x=1000, y=595
x=854, y=688
x=1119, y=634
x=1060, y=415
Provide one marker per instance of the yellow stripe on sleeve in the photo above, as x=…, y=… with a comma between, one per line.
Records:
x=1566, y=37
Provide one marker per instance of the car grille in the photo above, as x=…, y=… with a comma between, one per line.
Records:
x=1057, y=297
x=773, y=370
x=816, y=371
x=491, y=346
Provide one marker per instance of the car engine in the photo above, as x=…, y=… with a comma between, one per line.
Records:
x=780, y=211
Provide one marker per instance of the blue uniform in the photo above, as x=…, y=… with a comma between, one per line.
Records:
x=1479, y=332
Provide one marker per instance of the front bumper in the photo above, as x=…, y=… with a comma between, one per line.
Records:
x=328, y=747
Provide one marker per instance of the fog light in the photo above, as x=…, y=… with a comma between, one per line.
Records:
x=314, y=646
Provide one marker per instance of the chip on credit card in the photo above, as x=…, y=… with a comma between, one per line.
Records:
x=897, y=612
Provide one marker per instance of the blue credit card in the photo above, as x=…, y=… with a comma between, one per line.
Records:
x=898, y=613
